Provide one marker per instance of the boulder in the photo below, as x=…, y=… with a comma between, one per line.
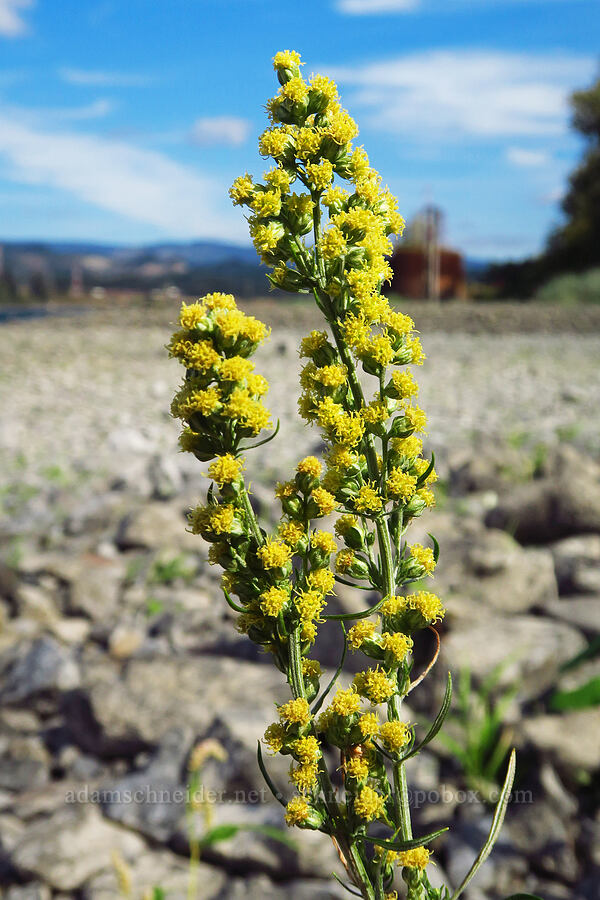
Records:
x=156, y=526
x=71, y=846
x=570, y=738
x=577, y=564
x=566, y=502
x=582, y=612
x=39, y=668
x=165, y=477
x=493, y=467
x=530, y=650
x=157, y=869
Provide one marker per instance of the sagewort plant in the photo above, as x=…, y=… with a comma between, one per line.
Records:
x=321, y=220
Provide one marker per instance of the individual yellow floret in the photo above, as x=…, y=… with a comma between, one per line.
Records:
x=309, y=604
x=398, y=644
x=395, y=735
x=417, y=858
x=274, y=736
x=310, y=465
x=286, y=59
x=416, y=417
x=226, y=469
x=325, y=501
x=297, y=811
x=424, y=557
x=307, y=750
x=333, y=243
x=409, y=446
x=344, y=524
x=274, y=554
x=320, y=174
x=359, y=633
x=321, y=580
x=296, y=89
x=369, y=725
x=236, y=368
x=291, y=532
x=311, y=668
x=400, y=484
x=344, y=561
x=295, y=712
x=392, y=605
x=304, y=777
x=312, y=342
x=242, y=189
x=429, y=605
x=357, y=767
x=405, y=384
x=323, y=541
x=331, y=376
x=368, y=499
x=345, y=702
x=273, y=600
x=368, y=804
x=375, y=685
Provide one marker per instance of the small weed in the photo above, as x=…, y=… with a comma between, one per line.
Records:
x=568, y=432
x=165, y=571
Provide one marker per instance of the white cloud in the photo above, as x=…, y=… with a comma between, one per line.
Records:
x=533, y=159
x=374, y=7
x=379, y=7
x=142, y=185
x=12, y=23
x=215, y=130
x=99, y=78
x=451, y=94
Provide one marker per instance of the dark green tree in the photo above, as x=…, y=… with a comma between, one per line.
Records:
x=576, y=244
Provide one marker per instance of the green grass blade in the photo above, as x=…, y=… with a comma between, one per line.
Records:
x=261, y=765
x=494, y=830
x=402, y=845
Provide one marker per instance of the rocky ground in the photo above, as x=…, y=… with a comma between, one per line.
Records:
x=117, y=655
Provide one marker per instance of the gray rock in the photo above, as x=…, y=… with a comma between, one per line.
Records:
x=157, y=869
x=549, y=509
x=547, y=835
x=165, y=477
x=260, y=887
x=570, y=739
x=155, y=526
x=43, y=667
x=493, y=468
x=68, y=848
x=153, y=696
x=531, y=650
x=24, y=762
x=95, y=590
x=577, y=564
x=32, y=891
x=152, y=800
x=487, y=571
x=582, y=612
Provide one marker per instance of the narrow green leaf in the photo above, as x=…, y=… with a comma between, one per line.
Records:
x=265, y=441
x=275, y=834
x=400, y=846
x=218, y=834
x=158, y=893
x=322, y=698
x=436, y=547
x=261, y=765
x=438, y=722
x=523, y=897
x=360, y=587
x=579, y=698
x=497, y=821
x=232, y=603
x=423, y=478
x=345, y=886
x=342, y=617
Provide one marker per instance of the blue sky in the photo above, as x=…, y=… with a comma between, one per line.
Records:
x=126, y=120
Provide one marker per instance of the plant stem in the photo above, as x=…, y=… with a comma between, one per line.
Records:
x=253, y=521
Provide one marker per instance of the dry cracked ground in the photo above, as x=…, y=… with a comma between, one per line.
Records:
x=117, y=654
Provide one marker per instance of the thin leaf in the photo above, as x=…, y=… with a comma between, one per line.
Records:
x=361, y=587
x=261, y=765
x=359, y=615
x=275, y=834
x=400, y=846
x=218, y=834
x=495, y=827
x=579, y=698
x=436, y=547
x=523, y=897
x=158, y=893
x=322, y=698
x=232, y=603
x=265, y=441
x=423, y=478
x=438, y=721
x=345, y=886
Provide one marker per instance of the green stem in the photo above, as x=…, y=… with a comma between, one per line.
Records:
x=251, y=516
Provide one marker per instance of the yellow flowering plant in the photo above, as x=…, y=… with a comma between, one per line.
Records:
x=321, y=221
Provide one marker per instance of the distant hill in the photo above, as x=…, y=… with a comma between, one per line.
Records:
x=192, y=267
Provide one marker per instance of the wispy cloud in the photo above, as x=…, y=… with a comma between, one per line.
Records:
x=458, y=93
x=390, y=7
x=375, y=7
x=12, y=23
x=528, y=159
x=142, y=185
x=99, y=78
x=220, y=130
